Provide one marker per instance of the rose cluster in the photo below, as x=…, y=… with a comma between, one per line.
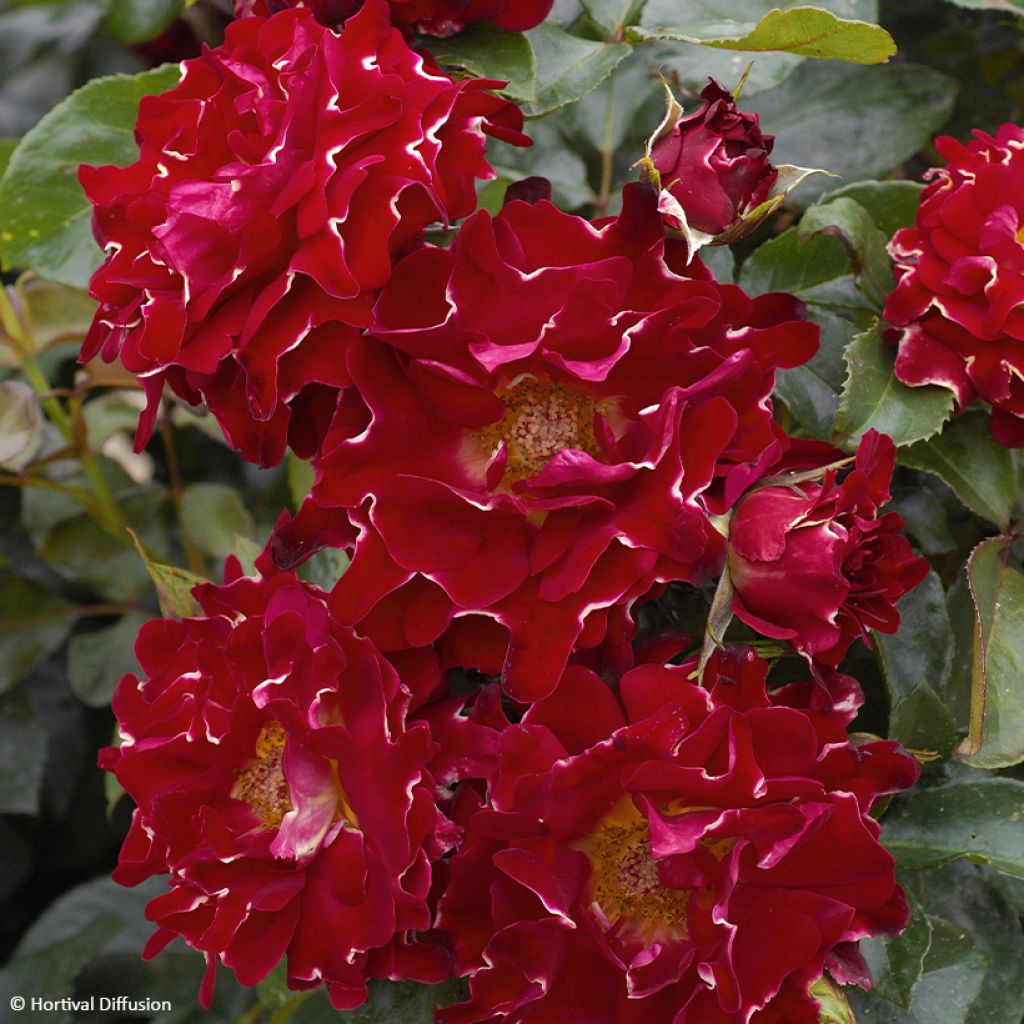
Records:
x=468, y=757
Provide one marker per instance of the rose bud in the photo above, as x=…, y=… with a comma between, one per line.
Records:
x=712, y=169
x=812, y=562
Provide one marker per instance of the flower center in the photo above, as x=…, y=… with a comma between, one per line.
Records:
x=262, y=784
x=541, y=419
x=625, y=883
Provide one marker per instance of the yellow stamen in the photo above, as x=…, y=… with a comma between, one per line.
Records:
x=262, y=784
x=541, y=419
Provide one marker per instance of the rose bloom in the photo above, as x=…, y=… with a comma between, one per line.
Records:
x=814, y=563
x=432, y=17
x=958, y=308
x=540, y=421
x=677, y=853
x=714, y=165
x=273, y=187
x=280, y=787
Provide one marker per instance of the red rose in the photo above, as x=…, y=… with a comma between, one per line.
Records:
x=959, y=304
x=676, y=853
x=279, y=786
x=540, y=422
x=274, y=184
x=432, y=17
x=713, y=165
x=814, y=563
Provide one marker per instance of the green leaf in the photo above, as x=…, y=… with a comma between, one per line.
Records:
x=300, y=478
x=173, y=585
x=961, y=617
x=916, y=663
x=832, y=1005
x=954, y=970
x=50, y=973
x=804, y=31
x=7, y=147
x=981, y=820
x=396, y=1002
x=486, y=51
x=981, y=472
x=55, y=312
x=33, y=624
x=46, y=215
x=97, y=660
x=135, y=21
x=892, y=204
x=83, y=552
x=897, y=964
x=613, y=15
x=847, y=220
x=873, y=397
x=858, y=122
x=975, y=899
x=926, y=519
x=995, y=736
x=22, y=753
x=811, y=391
x=213, y=515
x=21, y=425
x=992, y=5
x=568, y=67
x=817, y=271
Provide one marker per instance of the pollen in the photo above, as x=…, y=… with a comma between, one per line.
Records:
x=262, y=784
x=625, y=882
x=541, y=419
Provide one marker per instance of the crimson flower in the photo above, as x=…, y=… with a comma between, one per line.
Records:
x=958, y=307
x=279, y=786
x=713, y=164
x=814, y=563
x=540, y=421
x=432, y=17
x=274, y=185
x=674, y=853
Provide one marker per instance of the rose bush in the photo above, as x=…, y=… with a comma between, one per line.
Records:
x=599, y=579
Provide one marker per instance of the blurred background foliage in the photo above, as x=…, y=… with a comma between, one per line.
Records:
x=74, y=588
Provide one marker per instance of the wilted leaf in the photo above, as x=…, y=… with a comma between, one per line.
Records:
x=21, y=425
